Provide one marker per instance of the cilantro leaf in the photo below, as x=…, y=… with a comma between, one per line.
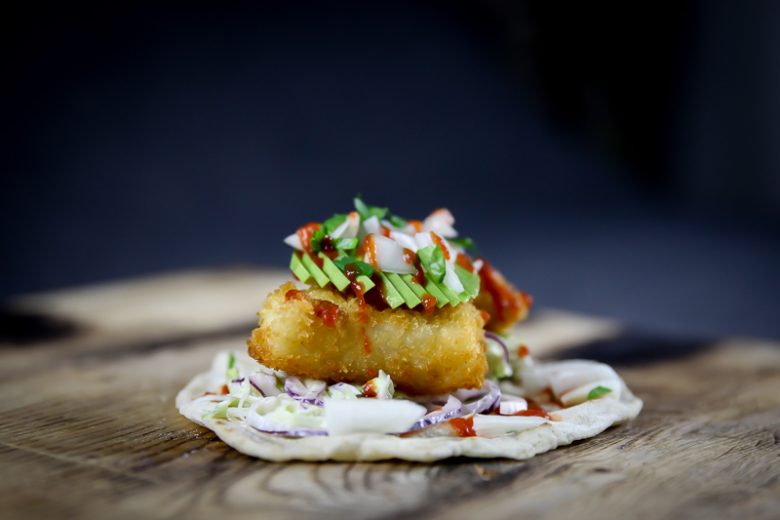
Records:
x=465, y=243
x=333, y=222
x=316, y=240
x=232, y=371
x=598, y=392
x=365, y=211
x=432, y=261
x=363, y=268
x=397, y=221
x=345, y=244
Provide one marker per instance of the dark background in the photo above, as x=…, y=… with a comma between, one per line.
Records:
x=611, y=159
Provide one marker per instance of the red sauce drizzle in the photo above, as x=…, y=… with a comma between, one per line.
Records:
x=328, y=312
x=224, y=390
x=429, y=302
x=506, y=301
x=305, y=233
x=419, y=275
x=534, y=409
x=409, y=256
x=294, y=294
x=439, y=242
x=369, y=390
x=522, y=351
x=463, y=426
x=385, y=231
x=366, y=342
x=370, y=250
x=417, y=225
x=463, y=261
x=329, y=248
x=352, y=273
x=533, y=412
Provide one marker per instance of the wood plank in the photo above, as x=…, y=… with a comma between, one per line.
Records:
x=89, y=430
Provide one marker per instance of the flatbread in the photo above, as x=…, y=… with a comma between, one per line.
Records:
x=567, y=425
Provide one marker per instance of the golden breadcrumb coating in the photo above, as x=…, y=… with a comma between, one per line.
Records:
x=318, y=333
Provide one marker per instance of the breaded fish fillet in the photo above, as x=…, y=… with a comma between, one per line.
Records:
x=318, y=333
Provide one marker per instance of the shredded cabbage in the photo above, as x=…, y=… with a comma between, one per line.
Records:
x=286, y=411
x=293, y=412
x=498, y=367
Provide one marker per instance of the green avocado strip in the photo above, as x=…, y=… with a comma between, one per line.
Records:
x=298, y=269
x=320, y=277
x=449, y=293
x=415, y=287
x=410, y=298
x=393, y=297
x=470, y=282
x=441, y=299
x=366, y=282
x=334, y=273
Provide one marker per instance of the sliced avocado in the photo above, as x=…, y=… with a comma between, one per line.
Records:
x=366, y=282
x=441, y=299
x=470, y=282
x=449, y=293
x=298, y=269
x=416, y=288
x=393, y=297
x=334, y=273
x=320, y=277
x=410, y=298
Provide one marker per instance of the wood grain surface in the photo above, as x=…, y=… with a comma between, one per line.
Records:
x=88, y=427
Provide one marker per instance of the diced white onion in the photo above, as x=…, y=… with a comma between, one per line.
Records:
x=564, y=375
x=365, y=415
x=423, y=239
x=498, y=425
x=441, y=221
x=372, y=225
x=451, y=279
x=390, y=256
x=349, y=228
x=569, y=378
x=404, y=240
x=513, y=406
x=294, y=241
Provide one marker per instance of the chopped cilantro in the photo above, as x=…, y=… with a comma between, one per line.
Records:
x=465, y=243
x=598, y=392
x=316, y=240
x=232, y=371
x=432, y=260
x=345, y=244
x=362, y=267
x=397, y=221
x=333, y=222
x=365, y=211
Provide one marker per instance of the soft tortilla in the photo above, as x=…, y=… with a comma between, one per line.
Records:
x=568, y=425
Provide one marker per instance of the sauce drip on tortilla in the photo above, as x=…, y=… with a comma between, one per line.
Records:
x=463, y=426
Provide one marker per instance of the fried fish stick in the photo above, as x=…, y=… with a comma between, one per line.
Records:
x=318, y=333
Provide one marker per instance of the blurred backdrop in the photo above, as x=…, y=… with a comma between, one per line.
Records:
x=619, y=160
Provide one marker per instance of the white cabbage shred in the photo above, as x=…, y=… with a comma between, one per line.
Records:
x=343, y=408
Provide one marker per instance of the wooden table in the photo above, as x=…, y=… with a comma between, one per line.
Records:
x=88, y=428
